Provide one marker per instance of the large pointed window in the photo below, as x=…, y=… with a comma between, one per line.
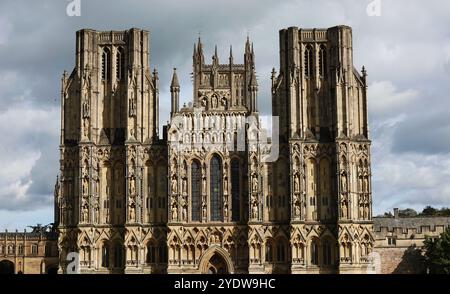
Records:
x=308, y=61
x=120, y=64
x=235, y=190
x=216, y=188
x=322, y=61
x=106, y=64
x=105, y=255
x=314, y=253
x=196, y=180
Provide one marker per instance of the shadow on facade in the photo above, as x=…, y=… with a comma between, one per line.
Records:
x=413, y=262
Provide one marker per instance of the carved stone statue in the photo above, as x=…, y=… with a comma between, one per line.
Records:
x=96, y=214
x=204, y=184
x=255, y=184
x=132, y=213
x=85, y=186
x=86, y=109
x=297, y=209
x=344, y=183
x=174, y=185
x=203, y=210
x=174, y=212
x=132, y=186
x=184, y=186
x=254, y=211
x=296, y=184
x=184, y=213
x=132, y=106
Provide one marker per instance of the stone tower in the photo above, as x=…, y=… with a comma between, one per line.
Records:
x=112, y=191
x=321, y=101
x=215, y=184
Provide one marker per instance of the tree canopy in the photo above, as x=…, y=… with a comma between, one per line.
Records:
x=437, y=253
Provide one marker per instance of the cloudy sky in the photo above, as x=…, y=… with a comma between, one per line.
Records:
x=406, y=50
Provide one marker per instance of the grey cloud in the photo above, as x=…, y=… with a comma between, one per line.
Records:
x=427, y=133
x=407, y=47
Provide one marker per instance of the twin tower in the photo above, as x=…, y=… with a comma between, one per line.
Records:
x=214, y=194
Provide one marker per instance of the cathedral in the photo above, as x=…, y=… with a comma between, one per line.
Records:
x=215, y=192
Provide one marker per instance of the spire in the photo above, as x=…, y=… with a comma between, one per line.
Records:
x=231, y=54
x=247, y=45
x=174, y=93
x=195, y=50
x=175, y=83
x=200, y=46
x=215, y=57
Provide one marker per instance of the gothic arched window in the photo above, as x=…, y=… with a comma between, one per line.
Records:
x=120, y=64
x=322, y=61
x=327, y=253
x=215, y=171
x=196, y=180
x=281, y=251
x=106, y=64
x=269, y=251
x=151, y=252
x=235, y=190
x=105, y=255
x=308, y=61
x=314, y=252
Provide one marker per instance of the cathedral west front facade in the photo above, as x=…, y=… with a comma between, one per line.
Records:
x=215, y=193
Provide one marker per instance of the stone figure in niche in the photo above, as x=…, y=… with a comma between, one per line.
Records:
x=184, y=213
x=225, y=185
x=174, y=185
x=254, y=211
x=255, y=184
x=174, y=212
x=297, y=209
x=184, y=186
x=132, y=186
x=85, y=127
x=86, y=111
x=85, y=212
x=96, y=213
x=296, y=184
x=204, y=185
x=344, y=209
x=204, y=210
x=344, y=182
x=132, y=106
x=85, y=186
x=132, y=213
x=225, y=213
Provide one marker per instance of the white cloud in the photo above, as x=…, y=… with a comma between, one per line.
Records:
x=385, y=99
x=26, y=132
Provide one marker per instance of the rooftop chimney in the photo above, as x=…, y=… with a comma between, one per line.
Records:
x=395, y=212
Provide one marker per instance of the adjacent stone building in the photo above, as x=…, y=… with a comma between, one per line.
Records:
x=399, y=241
x=34, y=252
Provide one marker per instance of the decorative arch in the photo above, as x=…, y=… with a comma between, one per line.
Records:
x=218, y=258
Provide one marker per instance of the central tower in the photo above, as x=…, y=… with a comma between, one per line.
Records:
x=209, y=169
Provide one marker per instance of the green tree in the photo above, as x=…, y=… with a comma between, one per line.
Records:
x=429, y=211
x=409, y=212
x=437, y=253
